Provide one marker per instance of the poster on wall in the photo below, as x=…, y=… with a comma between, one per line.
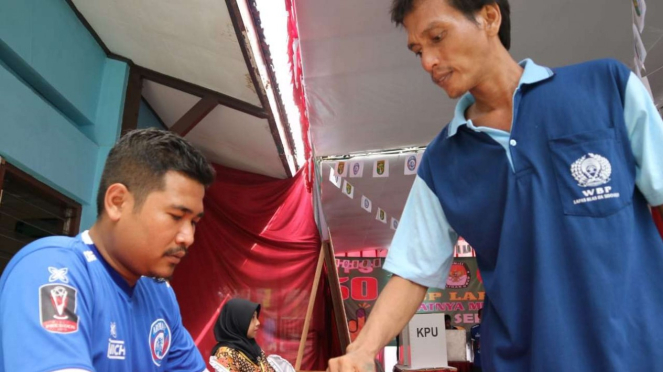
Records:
x=362, y=280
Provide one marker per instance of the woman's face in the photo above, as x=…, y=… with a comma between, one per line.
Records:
x=253, y=327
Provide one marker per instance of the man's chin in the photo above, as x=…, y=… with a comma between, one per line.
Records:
x=454, y=94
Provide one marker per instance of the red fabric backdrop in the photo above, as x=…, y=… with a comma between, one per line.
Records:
x=658, y=218
x=258, y=240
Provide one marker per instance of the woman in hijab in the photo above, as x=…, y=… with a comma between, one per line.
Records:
x=235, y=331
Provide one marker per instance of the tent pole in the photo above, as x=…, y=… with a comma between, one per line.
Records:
x=309, y=311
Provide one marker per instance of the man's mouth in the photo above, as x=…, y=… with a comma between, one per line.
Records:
x=442, y=79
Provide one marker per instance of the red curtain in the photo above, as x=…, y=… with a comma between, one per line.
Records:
x=259, y=241
x=658, y=219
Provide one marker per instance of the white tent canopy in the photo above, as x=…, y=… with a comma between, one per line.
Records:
x=366, y=91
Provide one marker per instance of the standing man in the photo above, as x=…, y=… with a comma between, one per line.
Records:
x=100, y=301
x=549, y=175
x=475, y=337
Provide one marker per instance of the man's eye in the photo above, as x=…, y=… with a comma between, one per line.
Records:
x=176, y=217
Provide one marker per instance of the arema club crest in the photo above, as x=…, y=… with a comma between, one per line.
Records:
x=160, y=339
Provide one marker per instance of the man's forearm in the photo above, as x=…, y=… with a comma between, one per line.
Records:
x=396, y=305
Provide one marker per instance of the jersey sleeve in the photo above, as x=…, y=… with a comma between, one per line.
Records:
x=422, y=248
x=183, y=354
x=645, y=131
x=45, y=321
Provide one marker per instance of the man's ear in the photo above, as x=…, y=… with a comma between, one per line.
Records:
x=117, y=199
x=490, y=18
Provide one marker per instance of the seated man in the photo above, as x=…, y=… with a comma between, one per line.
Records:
x=100, y=301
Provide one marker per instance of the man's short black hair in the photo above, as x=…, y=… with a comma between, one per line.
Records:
x=401, y=8
x=447, y=317
x=142, y=157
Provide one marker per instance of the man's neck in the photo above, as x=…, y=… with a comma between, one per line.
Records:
x=106, y=245
x=495, y=90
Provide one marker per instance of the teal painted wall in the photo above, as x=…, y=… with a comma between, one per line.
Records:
x=61, y=99
x=147, y=119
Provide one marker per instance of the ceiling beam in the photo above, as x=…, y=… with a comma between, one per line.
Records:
x=199, y=91
x=194, y=116
x=170, y=81
x=240, y=32
x=132, y=101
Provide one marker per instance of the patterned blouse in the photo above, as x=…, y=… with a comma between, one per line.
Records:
x=235, y=361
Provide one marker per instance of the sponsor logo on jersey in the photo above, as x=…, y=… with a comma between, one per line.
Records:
x=58, y=274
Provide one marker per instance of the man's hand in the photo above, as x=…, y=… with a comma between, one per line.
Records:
x=352, y=361
x=397, y=303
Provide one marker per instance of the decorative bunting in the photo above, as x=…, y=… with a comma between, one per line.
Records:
x=366, y=204
x=348, y=189
x=381, y=168
x=394, y=223
x=342, y=169
x=334, y=178
x=381, y=216
x=639, y=11
x=412, y=163
x=356, y=169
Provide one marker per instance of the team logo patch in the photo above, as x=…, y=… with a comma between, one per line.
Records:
x=411, y=162
x=57, y=308
x=159, y=339
x=58, y=274
x=355, y=169
x=591, y=170
x=459, y=275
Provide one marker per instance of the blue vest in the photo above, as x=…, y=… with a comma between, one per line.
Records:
x=565, y=242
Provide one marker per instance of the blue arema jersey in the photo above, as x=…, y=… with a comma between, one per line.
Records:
x=62, y=306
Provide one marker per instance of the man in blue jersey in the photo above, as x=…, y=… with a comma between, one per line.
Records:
x=100, y=301
x=475, y=337
x=549, y=175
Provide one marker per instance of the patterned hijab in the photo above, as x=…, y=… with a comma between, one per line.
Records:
x=233, y=324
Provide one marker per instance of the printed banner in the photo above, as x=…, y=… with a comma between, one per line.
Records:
x=362, y=279
x=356, y=169
x=463, y=249
x=463, y=296
x=381, y=168
x=366, y=204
